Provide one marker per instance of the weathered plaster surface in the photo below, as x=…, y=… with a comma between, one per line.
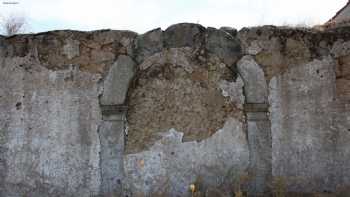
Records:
x=111, y=157
x=308, y=96
x=49, y=121
x=111, y=113
x=171, y=165
x=304, y=136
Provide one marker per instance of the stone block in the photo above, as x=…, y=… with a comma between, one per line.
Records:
x=255, y=85
x=184, y=35
x=116, y=84
x=259, y=138
x=170, y=165
x=111, y=135
x=148, y=44
x=224, y=45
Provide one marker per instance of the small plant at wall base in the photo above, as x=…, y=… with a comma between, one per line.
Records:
x=242, y=180
x=237, y=179
x=193, y=189
x=279, y=187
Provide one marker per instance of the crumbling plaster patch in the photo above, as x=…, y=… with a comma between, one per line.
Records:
x=171, y=165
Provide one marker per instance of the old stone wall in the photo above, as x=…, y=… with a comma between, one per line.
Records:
x=308, y=104
x=114, y=113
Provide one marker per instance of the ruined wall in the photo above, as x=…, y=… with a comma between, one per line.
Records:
x=309, y=104
x=114, y=113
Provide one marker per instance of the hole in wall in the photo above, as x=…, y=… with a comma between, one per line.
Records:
x=18, y=105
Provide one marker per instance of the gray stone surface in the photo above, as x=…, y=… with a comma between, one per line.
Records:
x=256, y=107
x=254, y=48
x=170, y=166
x=255, y=87
x=341, y=125
x=229, y=30
x=224, y=45
x=63, y=107
x=111, y=157
x=116, y=84
x=259, y=137
x=340, y=48
x=148, y=44
x=49, y=145
x=258, y=125
x=184, y=35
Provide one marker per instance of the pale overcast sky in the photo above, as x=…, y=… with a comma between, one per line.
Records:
x=143, y=15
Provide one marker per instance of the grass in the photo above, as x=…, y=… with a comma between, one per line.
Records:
x=279, y=187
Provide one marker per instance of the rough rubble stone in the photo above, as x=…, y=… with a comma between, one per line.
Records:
x=232, y=31
x=175, y=91
x=116, y=84
x=92, y=51
x=233, y=90
x=343, y=77
x=340, y=48
x=71, y=48
x=277, y=49
x=2, y=47
x=148, y=44
x=184, y=35
x=254, y=48
x=224, y=45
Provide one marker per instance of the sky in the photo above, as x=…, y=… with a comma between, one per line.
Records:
x=144, y=15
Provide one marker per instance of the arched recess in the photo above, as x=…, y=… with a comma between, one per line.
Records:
x=258, y=124
x=185, y=112
x=113, y=126
x=198, y=64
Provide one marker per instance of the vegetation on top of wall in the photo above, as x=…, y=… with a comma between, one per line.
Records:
x=12, y=24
